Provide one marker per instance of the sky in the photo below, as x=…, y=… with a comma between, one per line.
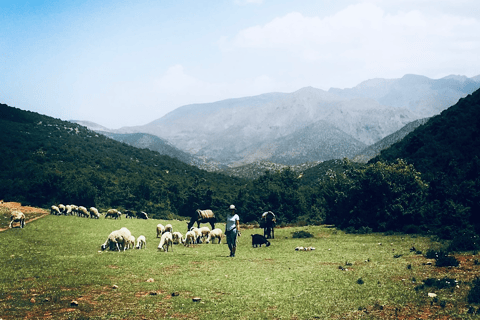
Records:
x=126, y=63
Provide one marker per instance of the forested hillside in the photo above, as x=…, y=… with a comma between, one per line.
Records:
x=446, y=150
x=47, y=161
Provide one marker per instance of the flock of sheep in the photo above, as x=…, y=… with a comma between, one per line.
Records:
x=92, y=212
x=123, y=239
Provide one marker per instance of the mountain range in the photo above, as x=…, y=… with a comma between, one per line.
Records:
x=308, y=125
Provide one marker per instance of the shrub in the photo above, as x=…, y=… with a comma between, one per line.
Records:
x=446, y=261
x=412, y=229
x=302, y=234
x=474, y=294
x=464, y=242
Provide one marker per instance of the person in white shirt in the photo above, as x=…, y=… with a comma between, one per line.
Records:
x=232, y=229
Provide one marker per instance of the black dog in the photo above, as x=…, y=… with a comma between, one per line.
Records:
x=258, y=239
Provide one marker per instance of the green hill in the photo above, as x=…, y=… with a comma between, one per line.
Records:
x=47, y=161
x=446, y=150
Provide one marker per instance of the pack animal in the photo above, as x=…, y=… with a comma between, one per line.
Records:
x=202, y=216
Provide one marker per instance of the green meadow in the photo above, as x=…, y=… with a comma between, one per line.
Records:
x=56, y=260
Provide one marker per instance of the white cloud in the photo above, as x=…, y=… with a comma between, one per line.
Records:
x=366, y=35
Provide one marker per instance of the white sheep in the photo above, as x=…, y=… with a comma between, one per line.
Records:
x=198, y=234
x=165, y=241
x=55, y=210
x=169, y=228
x=94, y=213
x=190, y=238
x=215, y=234
x=131, y=242
x=204, y=231
x=177, y=238
x=68, y=210
x=61, y=207
x=83, y=212
x=141, y=242
x=160, y=230
x=114, y=213
x=74, y=210
x=17, y=216
x=114, y=239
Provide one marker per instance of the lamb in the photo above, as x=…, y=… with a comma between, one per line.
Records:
x=94, y=213
x=83, y=212
x=17, y=216
x=258, y=239
x=177, y=238
x=204, y=232
x=168, y=228
x=114, y=213
x=141, y=242
x=131, y=242
x=142, y=215
x=215, y=234
x=160, y=230
x=190, y=238
x=55, y=210
x=165, y=241
x=118, y=239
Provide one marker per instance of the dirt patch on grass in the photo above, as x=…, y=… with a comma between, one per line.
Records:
x=31, y=213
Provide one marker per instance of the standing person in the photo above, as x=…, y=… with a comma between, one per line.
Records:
x=232, y=228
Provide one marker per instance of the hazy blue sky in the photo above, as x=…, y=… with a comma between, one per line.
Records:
x=123, y=63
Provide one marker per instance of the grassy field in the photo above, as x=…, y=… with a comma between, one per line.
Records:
x=57, y=259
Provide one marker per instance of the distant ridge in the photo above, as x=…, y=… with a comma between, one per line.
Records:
x=375, y=149
x=283, y=127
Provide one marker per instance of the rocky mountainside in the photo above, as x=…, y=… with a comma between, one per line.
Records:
x=307, y=125
x=375, y=149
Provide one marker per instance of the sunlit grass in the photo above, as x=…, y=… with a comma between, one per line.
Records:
x=57, y=259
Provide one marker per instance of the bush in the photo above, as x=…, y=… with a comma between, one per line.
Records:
x=464, y=242
x=446, y=261
x=412, y=229
x=302, y=234
x=474, y=294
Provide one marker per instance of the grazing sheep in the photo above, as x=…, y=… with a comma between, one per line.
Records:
x=55, y=210
x=83, y=212
x=113, y=213
x=129, y=214
x=160, y=230
x=68, y=210
x=177, y=238
x=168, y=228
x=198, y=234
x=94, y=213
x=74, y=210
x=61, y=207
x=258, y=239
x=141, y=242
x=166, y=241
x=17, y=216
x=117, y=239
x=215, y=234
x=142, y=215
x=204, y=231
x=190, y=238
